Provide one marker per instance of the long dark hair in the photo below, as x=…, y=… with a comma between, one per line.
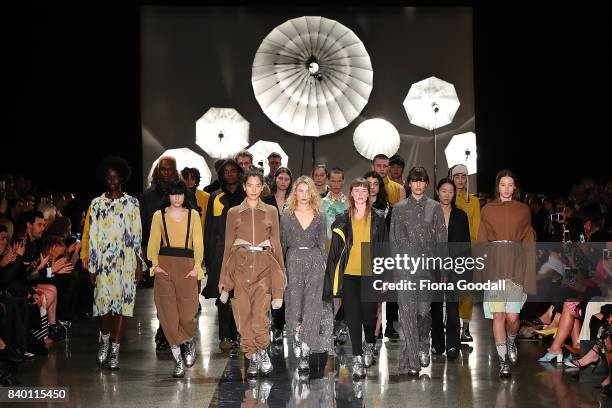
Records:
x=286, y=171
x=417, y=172
x=381, y=197
x=446, y=180
x=176, y=186
x=507, y=173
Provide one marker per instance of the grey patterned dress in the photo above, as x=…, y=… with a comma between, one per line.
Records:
x=305, y=260
x=415, y=228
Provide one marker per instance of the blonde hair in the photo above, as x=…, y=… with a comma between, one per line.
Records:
x=359, y=182
x=315, y=198
x=47, y=210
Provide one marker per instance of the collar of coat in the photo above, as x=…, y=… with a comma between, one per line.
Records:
x=245, y=206
x=420, y=202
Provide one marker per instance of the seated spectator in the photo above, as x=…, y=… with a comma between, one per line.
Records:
x=49, y=213
x=600, y=336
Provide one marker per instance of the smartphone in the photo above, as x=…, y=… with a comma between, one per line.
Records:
x=582, y=238
x=607, y=254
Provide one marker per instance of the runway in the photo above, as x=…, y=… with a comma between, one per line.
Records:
x=216, y=380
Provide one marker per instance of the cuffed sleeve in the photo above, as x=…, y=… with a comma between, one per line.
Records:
x=198, y=244
x=230, y=236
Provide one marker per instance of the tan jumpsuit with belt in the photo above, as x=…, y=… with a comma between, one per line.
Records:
x=253, y=267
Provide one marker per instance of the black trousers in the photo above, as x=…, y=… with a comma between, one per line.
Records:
x=278, y=318
x=438, y=339
x=14, y=321
x=227, y=325
x=391, y=312
x=66, y=285
x=358, y=314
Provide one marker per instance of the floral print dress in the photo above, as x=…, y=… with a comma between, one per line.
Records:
x=115, y=237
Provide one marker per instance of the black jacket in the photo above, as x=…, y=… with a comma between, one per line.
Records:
x=271, y=200
x=211, y=188
x=12, y=278
x=342, y=241
x=459, y=240
x=219, y=204
x=458, y=226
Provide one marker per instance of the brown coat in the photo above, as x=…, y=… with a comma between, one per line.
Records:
x=253, y=225
x=510, y=221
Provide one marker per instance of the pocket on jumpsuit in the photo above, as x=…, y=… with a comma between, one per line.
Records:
x=162, y=282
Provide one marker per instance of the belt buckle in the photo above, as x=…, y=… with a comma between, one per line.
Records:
x=303, y=248
x=255, y=248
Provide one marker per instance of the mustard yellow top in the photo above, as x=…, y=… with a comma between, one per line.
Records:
x=394, y=191
x=85, y=238
x=202, y=200
x=361, y=233
x=472, y=209
x=176, y=234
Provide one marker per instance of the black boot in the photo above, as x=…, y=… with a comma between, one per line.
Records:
x=160, y=340
x=390, y=331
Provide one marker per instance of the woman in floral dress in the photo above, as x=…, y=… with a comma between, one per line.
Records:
x=115, y=237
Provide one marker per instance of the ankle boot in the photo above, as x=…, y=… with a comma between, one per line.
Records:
x=179, y=366
x=113, y=358
x=103, y=348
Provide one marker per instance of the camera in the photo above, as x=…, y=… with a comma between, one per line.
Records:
x=556, y=217
x=607, y=254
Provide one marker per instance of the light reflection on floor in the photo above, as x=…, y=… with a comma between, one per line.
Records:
x=218, y=381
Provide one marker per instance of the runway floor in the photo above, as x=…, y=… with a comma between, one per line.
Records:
x=216, y=380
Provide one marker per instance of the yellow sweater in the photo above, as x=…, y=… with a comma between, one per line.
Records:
x=361, y=234
x=202, y=200
x=472, y=209
x=394, y=191
x=85, y=238
x=176, y=234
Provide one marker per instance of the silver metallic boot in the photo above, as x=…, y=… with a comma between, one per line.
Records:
x=103, y=348
x=113, y=358
x=504, y=367
x=253, y=369
x=512, y=353
x=297, y=343
x=265, y=386
x=359, y=370
x=179, y=366
x=254, y=387
x=358, y=389
x=188, y=350
x=413, y=373
x=368, y=355
x=424, y=358
x=304, y=365
x=265, y=365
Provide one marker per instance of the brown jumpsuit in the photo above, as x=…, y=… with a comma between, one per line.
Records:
x=256, y=277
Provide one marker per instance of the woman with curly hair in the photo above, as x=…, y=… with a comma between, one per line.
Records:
x=113, y=257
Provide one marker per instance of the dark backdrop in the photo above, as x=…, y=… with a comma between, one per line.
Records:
x=72, y=91
x=193, y=58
